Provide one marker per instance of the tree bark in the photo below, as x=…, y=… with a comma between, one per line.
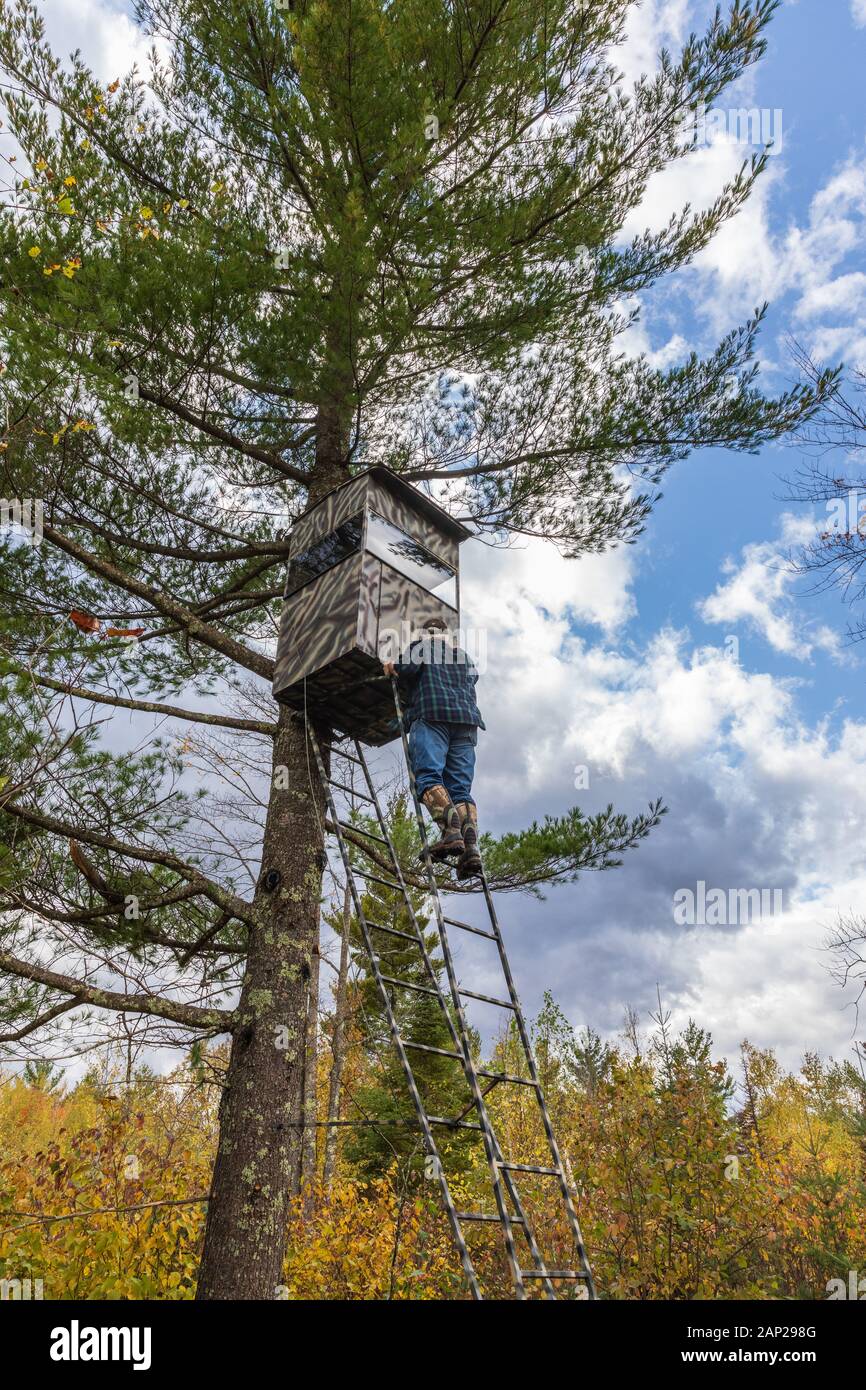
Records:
x=338, y=1047
x=258, y=1149
x=311, y=1080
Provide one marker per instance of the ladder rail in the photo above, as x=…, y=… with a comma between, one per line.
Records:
x=523, y=1031
x=565, y=1191
x=459, y=1035
x=432, y=1148
x=495, y=1157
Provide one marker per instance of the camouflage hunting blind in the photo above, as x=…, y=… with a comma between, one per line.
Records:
x=369, y=564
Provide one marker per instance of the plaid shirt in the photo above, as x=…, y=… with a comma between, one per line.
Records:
x=440, y=680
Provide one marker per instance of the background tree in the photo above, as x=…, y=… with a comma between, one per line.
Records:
x=317, y=236
x=832, y=478
x=103, y=1184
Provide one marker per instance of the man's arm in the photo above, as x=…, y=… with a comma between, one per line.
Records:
x=407, y=667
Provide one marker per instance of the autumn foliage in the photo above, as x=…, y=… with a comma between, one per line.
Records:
x=693, y=1180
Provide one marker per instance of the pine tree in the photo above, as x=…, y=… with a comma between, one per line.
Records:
x=320, y=236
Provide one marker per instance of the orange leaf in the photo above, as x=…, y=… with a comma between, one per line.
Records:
x=123, y=631
x=85, y=621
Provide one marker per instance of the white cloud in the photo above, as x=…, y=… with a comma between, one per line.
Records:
x=652, y=25
x=536, y=578
x=758, y=798
x=749, y=262
x=758, y=592
x=109, y=40
x=752, y=258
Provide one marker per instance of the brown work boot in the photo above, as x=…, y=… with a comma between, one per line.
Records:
x=444, y=813
x=469, y=863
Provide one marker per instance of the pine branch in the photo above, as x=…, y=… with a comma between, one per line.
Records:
x=173, y=1011
x=208, y=635
x=221, y=897
x=222, y=721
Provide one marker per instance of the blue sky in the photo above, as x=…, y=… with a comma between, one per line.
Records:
x=619, y=662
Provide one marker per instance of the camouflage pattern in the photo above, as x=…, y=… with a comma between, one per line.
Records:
x=337, y=629
x=327, y=515
x=368, y=606
x=319, y=623
x=400, y=510
x=404, y=607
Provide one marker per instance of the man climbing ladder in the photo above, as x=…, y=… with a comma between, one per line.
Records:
x=438, y=679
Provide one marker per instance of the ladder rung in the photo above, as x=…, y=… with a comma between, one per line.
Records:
x=506, y=1076
x=484, y=1216
x=362, y=796
x=404, y=984
x=439, y=1051
x=359, y=830
x=477, y=931
x=340, y=754
x=551, y=1273
x=452, y=1124
x=392, y=931
x=531, y=1168
x=486, y=999
x=373, y=878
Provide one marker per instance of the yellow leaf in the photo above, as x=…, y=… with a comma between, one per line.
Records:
x=146, y=213
x=184, y=202
x=217, y=187
x=35, y=251
x=64, y=205
x=41, y=164
x=70, y=180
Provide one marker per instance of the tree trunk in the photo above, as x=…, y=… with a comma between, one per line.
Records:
x=338, y=1046
x=259, y=1151
x=311, y=1080
x=258, y=1147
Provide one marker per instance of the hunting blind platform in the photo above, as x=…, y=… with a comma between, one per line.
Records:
x=369, y=564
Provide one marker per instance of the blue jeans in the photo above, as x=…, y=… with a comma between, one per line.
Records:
x=443, y=755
